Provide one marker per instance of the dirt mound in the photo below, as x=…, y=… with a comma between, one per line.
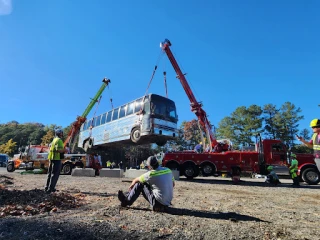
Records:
x=22, y=202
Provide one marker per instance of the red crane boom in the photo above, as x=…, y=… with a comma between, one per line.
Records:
x=196, y=107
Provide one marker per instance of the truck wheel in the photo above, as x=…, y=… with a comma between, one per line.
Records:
x=311, y=176
x=207, y=170
x=190, y=171
x=173, y=166
x=161, y=143
x=135, y=135
x=10, y=167
x=67, y=168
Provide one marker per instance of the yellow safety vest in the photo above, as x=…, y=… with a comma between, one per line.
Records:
x=294, y=168
x=53, y=154
x=316, y=145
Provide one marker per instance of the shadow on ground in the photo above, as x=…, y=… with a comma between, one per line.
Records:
x=231, y=216
x=247, y=183
x=29, y=229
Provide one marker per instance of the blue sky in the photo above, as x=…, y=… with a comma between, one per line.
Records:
x=54, y=54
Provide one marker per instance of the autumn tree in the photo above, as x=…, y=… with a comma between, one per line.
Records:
x=8, y=147
x=48, y=137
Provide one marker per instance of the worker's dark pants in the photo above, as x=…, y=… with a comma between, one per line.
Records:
x=296, y=181
x=146, y=191
x=53, y=175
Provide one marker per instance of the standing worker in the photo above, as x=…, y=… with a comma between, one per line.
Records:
x=294, y=170
x=314, y=142
x=108, y=164
x=198, y=148
x=54, y=157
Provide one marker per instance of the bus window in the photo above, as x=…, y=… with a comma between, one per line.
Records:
x=138, y=105
x=130, y=108
x=103, y=118
x=122, y=111
x=94, y=121
x=109, y=116
x=98, y=120
x=115, y=114
x=84, y=126
x=89, y=124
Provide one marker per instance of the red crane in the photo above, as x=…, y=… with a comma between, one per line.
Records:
x=196, y=107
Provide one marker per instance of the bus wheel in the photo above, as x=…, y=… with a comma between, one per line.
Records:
x=135, y=135
x=311, y=176
x=67, y=168
x=10, y=167
x=87, y=145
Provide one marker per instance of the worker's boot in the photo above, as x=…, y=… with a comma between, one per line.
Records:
x=123, y=199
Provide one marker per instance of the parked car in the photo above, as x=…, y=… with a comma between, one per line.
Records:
x=3, y=160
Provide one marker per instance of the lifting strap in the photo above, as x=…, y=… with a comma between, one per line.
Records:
x=110, y=97
x=165, y=83
x=152, y=76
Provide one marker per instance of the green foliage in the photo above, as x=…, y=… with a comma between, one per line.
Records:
x=245, y=123
x=301, y=149
x=306, y=134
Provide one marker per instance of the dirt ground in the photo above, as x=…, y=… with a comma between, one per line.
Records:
x=205, y=208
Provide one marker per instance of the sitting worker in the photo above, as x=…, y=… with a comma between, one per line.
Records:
x=156, y=187
x=272, y=177
x=198, y=148
x=293, y=169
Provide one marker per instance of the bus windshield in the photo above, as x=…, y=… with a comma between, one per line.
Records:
x=163, y=108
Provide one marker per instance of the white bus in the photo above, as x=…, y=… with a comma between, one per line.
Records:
x=149, y=119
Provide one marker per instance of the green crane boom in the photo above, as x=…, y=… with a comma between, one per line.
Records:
x=81, y=119
x=96, y=97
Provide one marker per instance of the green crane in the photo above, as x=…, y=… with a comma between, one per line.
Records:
x=76, y=125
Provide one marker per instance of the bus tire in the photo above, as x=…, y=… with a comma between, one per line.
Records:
x=311, y=176
x=135, y=135
x=10, y=167
x=87, y=144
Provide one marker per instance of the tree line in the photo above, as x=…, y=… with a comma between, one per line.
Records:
x=241, y=127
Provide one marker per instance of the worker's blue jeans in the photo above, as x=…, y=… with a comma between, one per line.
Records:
x=146, y=191
x=53, y=175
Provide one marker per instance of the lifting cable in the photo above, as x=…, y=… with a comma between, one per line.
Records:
x=165, y=78
x=152, y=76
x=110, y=96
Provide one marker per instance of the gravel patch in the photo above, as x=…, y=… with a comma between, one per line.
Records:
x=207, y=208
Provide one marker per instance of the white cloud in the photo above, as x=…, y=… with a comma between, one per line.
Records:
x=5, y=7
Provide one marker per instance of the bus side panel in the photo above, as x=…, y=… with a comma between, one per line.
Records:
x=114, y=131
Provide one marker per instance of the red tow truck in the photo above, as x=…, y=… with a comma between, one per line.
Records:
x=223, y=160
